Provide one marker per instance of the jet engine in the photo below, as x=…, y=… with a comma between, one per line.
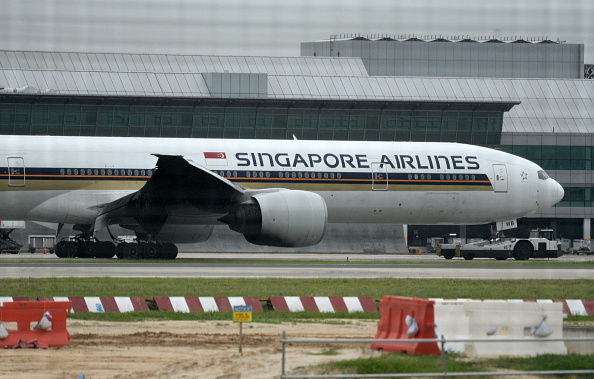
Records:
x=284, y=218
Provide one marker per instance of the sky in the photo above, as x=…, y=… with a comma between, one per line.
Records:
x=276, y=27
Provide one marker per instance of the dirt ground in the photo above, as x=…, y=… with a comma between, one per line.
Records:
x=184, y=349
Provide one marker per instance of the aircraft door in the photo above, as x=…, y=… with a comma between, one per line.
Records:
x=16, y=172
x=500, y=178
x=379, y=176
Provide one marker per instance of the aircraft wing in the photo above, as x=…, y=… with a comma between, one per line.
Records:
x=177, y=186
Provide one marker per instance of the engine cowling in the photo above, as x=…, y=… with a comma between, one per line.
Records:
x=185, y=233
x=285, y=218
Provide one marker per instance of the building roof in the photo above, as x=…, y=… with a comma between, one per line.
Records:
x=170, y=63
x=546, y=105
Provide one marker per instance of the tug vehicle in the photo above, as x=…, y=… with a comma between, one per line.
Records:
x=539, y=244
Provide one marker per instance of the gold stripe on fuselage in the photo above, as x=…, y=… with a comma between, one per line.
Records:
x=259, y=183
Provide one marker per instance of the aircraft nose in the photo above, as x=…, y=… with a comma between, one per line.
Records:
x=560, y=192
x=554, y=193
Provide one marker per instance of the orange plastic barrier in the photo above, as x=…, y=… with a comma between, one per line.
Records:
x=393, y=325
x=26, y=314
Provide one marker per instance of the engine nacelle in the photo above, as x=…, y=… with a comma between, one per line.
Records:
x=285, y=218
x=177, y=233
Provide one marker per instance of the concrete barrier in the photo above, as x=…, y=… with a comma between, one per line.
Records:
x=505, y=320
x=499, y=320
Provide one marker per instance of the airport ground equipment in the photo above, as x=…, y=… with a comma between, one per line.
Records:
x=540, y=244
x=7, y=244
x=44, y=243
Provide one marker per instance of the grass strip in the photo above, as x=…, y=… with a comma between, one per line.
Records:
x=402, y=363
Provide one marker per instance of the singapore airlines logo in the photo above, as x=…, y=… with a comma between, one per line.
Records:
x=216, y=158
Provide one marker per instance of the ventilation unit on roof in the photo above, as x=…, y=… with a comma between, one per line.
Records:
x=25, y=89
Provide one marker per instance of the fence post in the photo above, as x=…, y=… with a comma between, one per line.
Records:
x=283, y=360
x=443, y=368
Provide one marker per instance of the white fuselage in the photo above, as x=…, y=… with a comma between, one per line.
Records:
x=68, y=179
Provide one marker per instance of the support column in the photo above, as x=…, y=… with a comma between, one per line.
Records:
x=587, y=230
x=463, y=234
x=405, y=230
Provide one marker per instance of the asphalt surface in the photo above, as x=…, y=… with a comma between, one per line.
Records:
x=357, y=266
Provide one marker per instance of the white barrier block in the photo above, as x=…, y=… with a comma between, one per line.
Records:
x=124, y=304
x=513, y=320
x=576, y=308
x=353, y=304
x=94, y=304
x=236, y=301
x=324, y=305
x=451, y=322
x=209, y=304
x=179, y=304
x=294, y=304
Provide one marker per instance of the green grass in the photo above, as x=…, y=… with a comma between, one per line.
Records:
x=264, y=288
x=402, y=363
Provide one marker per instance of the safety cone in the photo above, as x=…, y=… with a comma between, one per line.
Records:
x=44, y=251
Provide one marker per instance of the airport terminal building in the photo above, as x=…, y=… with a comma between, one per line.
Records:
x=529, y=98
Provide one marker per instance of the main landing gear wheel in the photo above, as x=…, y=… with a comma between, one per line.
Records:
x=106, y=249
x=60, y=249
x=150, y=250
x=169, y=251
x=131, y=251
x=119, y=250
x=523, y=251
x=71, y=249
x=89, y=249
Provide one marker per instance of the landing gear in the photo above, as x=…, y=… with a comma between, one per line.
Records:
x=85, y=249
x=169, y=251
x=88, y=247
x=131, y=251
x=146, y=250
x=71, y=249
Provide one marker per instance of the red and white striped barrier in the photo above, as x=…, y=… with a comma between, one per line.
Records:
x=323, y=304
x=570, y=307
x=11, y=299
x=103, y=304
x=206, y=304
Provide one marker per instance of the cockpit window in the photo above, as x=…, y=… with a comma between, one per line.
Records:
x=542, y=175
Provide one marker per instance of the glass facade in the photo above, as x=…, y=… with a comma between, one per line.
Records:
x=561, y=158
x=577, y=197
x=327, y=123
x=555, y=157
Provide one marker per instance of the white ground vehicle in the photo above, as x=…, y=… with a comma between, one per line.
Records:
x=539, y=244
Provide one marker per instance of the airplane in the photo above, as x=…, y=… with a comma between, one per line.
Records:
x=275, y=192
